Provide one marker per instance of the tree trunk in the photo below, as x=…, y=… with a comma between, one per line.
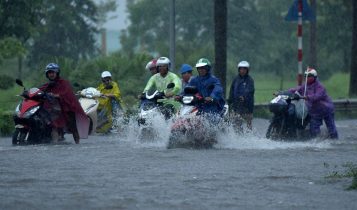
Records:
x=313, y=42
x=220, y=40
x=353, y=76
x=19, y=59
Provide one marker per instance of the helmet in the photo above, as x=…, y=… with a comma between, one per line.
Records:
x=185, y=68
x=311, y=71
x=243, y=64
x=151, y=64
x=163, y=61
x=52, y=67
x=106, y=74
x=203, y=62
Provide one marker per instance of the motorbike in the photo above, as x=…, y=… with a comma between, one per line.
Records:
x=32, y=120
x=290, y=118
x=89, y=103
x=88, y=99
x=154, y=105
x=189, y=129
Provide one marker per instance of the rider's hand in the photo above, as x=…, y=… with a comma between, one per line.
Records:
x=178, y=98
x=141, y=96
x=208, y=99
x=108, y=95
x=169, y=94
x=53, y=95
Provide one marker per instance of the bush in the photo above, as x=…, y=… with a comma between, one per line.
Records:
x=6, y=123
x=6, y=82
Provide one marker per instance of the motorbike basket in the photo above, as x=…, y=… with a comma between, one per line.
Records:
x=278, y=108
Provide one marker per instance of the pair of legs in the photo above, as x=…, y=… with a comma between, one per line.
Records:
x=239, y=118
x=57, y=133
x=316, y=122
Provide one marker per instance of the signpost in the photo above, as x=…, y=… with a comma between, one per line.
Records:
x=300, y=11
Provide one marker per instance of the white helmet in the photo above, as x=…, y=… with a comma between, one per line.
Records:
x=243, y=64
x=163, y=61
x=106, y=74
x=311, y=71
x=151, y=64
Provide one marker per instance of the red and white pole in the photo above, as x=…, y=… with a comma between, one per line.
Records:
x=299, y=33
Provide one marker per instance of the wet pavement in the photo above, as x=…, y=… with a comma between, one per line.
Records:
x=120, y=172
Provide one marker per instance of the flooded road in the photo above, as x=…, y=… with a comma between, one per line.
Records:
x=119, y=172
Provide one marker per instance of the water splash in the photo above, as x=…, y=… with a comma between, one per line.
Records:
x=155, y=134
x=255, y=139
x=227, y=137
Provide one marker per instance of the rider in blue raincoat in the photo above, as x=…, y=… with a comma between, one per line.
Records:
x=209, y=87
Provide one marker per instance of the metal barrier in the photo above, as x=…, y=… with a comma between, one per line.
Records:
x=342, y=106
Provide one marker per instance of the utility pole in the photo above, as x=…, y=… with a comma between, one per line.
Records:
x=313, y=42
x=104, y=42
x=353, y=72
x=220, y=41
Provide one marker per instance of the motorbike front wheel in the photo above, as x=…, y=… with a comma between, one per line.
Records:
x=275, y=130
x=19, y=137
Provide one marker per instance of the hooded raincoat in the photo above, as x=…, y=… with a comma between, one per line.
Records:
x=320, y=107
x=69, y=107
x=160, y=83
x=106, y=106
x=209, y=86
x=242, y=86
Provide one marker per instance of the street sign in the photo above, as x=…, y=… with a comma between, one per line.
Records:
x=307, y=12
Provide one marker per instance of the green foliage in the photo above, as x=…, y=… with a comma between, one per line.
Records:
x=51, y=29
x=103, y=8
x=11, y=47
x=337, y=85
x=131, y=76
x=257, y=32
x=19, y=18
x=67, y=29
x=350, y=172
x=6, y=123
x=6, y=82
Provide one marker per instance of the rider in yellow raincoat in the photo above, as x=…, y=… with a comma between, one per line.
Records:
x=110, y=104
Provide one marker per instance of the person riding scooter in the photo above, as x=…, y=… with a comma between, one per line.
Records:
x=73, y=117
x=209, y=87
x=110, y=104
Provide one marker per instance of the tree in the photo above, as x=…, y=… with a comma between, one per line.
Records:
x=256, y=32
x=18, y=21
x=353, y=78
x=11, y=47
x=19, y=18
x=149, y=32
x=66, y=29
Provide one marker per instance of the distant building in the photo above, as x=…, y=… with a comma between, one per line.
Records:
x=112, y=41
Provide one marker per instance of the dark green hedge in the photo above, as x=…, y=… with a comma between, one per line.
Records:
x=6, y=82
x=6, y=123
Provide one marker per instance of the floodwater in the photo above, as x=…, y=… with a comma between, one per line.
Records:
x=120, y=172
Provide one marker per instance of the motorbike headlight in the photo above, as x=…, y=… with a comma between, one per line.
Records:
x=187, y=99
x=31, y=112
